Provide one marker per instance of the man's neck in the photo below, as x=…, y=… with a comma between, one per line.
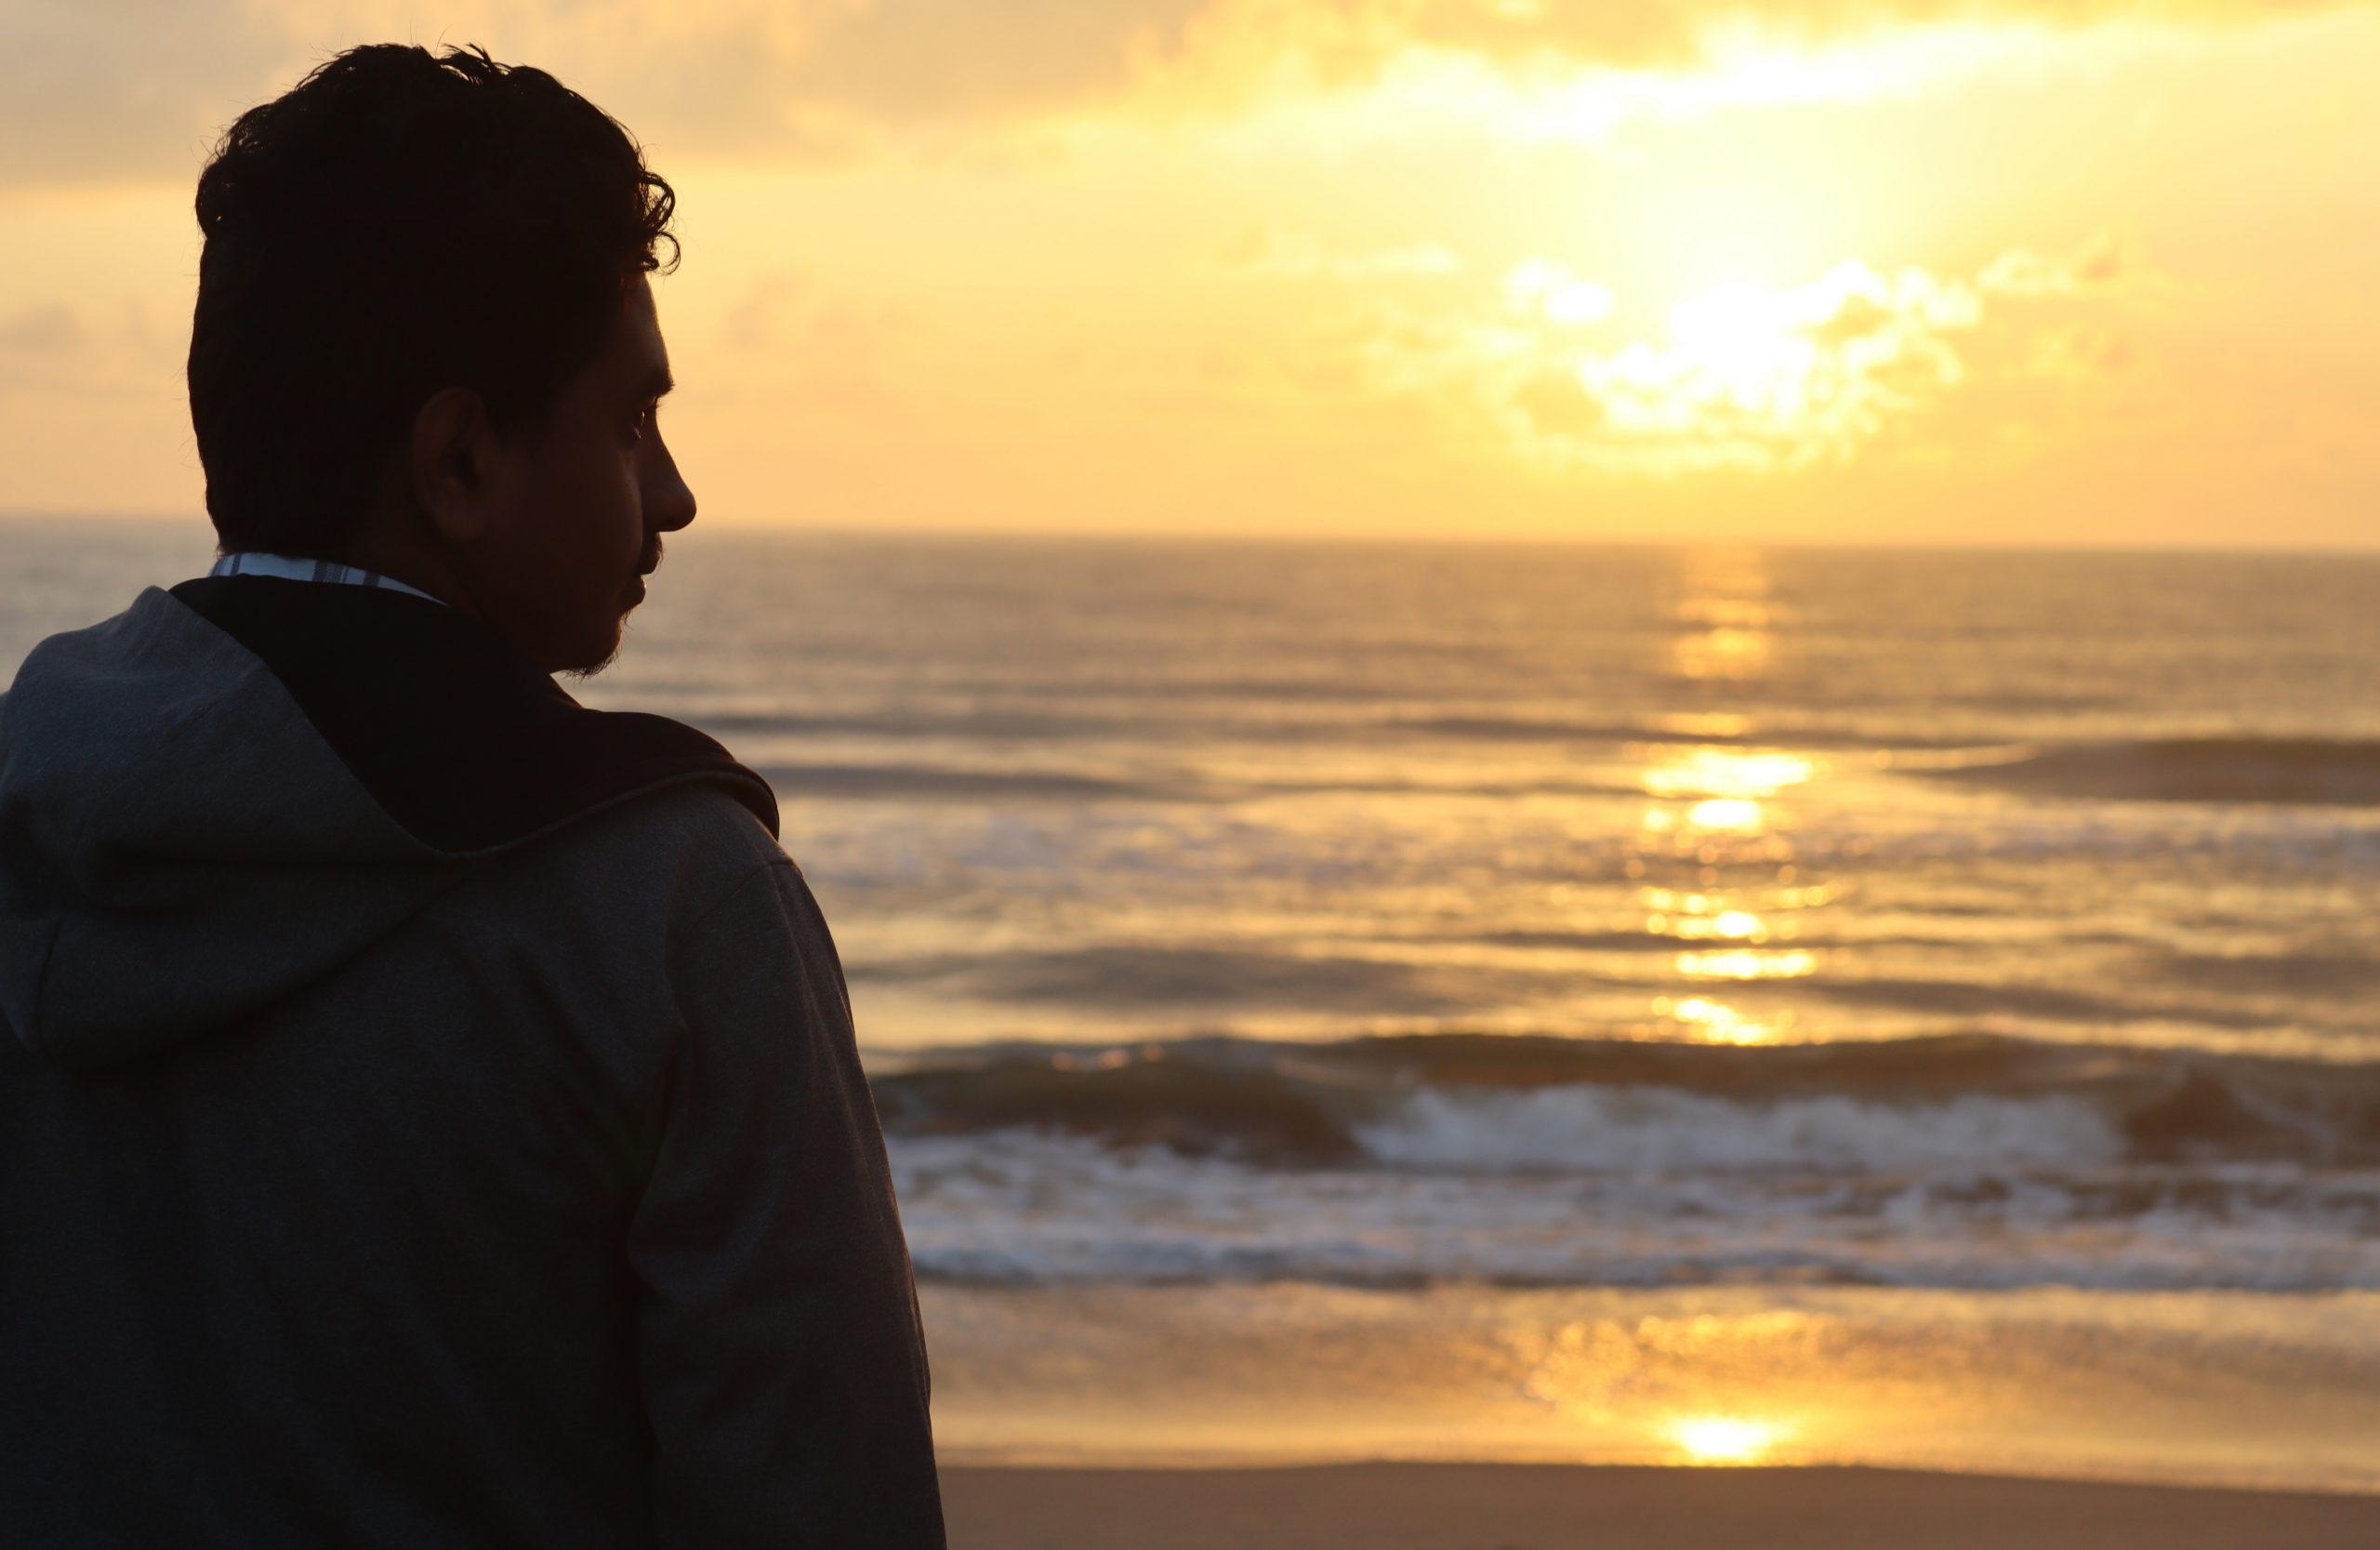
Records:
x=394, y=544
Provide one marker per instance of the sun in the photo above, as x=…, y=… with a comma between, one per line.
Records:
x=1726, y=1438
x=1748, y=344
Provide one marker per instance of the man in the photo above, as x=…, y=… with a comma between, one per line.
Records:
x=431, y=1116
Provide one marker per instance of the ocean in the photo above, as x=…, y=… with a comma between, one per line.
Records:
x=1464, y=1000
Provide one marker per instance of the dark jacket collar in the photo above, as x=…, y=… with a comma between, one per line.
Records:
x=466, y=744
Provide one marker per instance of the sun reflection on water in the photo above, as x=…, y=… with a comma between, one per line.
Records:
x=1714, y=1022
x=1705, y=925
x=1725, y=605
x=1724, y=653
x=1741, y=776
x=1748, y=963
x=1730, y=815
x=1717, y=851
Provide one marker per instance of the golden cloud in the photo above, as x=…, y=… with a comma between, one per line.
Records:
x=1760, y=381
x=140, y=88
x=1671, y=33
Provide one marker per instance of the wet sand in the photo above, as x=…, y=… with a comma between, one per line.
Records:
x=1425, y=1506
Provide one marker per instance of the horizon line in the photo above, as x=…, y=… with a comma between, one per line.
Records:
x=1508, y=538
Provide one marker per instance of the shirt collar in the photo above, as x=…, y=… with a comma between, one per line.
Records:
x=248, y=561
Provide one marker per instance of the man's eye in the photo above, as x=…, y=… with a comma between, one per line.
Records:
x=643, y=421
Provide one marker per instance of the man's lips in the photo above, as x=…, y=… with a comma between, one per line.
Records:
x=636, y=583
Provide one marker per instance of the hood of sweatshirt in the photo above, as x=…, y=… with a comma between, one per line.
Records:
x=229, y=789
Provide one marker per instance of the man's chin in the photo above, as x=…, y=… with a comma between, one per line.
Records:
x=586, y=665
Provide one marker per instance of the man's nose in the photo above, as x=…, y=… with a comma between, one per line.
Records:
x=668, y=503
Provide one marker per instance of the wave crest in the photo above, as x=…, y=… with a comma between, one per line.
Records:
x=1472, y=1102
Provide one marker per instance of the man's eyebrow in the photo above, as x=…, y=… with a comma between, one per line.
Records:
x=656, y=383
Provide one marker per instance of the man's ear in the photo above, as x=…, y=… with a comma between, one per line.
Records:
x=451, y=464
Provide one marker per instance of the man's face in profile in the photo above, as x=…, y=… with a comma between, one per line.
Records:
x=583, y=505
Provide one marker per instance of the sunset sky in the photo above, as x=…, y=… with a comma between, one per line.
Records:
x=2060, y=270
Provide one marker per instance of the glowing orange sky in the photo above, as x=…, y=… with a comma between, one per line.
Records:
x=2035, y=270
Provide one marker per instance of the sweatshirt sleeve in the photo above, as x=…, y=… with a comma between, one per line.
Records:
x=776, y=1328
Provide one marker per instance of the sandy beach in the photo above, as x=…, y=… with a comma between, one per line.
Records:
x=1414, y=1506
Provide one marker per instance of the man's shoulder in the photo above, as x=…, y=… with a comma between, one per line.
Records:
x=693, y=830
x=688, y=844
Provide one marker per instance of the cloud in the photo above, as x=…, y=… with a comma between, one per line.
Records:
x=1657, y=34
x=2106, y=260
x=1540, y=288
x=58, y=350
x=43, y=329
x=1754, y=379
x=966, y=59
x=131, y=88
x=139, y=88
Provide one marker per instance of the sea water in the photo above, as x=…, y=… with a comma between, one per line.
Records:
x=1935, y=971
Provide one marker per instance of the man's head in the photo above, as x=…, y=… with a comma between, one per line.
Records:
x=424, y=342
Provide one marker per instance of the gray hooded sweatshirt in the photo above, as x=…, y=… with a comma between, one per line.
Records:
x=428, y=1112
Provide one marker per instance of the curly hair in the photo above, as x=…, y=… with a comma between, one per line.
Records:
x=398, y=223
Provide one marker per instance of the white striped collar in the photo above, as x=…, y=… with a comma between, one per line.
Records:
x=290, y=568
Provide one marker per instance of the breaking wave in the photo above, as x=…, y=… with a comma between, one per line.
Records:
x=1654, y=1130
x=1497, y=1103
x=1974, y=1161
